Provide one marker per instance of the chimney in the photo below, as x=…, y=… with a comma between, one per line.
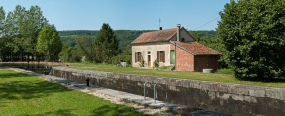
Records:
x=160, y=28
x=178, y=32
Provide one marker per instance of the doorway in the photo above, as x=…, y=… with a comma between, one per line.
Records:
x=149, y=61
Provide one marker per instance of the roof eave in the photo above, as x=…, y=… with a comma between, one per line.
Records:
x=208, y=54
x=182, y=48
x=150, y=42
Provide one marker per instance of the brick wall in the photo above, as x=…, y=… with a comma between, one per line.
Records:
x=187, y=62
x=206, y=61
x=184, y=60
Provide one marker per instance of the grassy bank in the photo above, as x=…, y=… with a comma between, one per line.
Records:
x=21, y=94
x=223, y=75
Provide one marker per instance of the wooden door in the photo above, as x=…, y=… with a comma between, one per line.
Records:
x=149, y=61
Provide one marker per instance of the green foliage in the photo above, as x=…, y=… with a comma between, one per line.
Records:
x=19, y=31
x=124, y=37
x=105, y=45
x=253, y=32
x=31, y=26
x=126, y=56
x=156, y=63
x=49, y=42
x=2, y=21
x=116, y=59
x=68, y=54
x=195, y=35
x=85, y=43
x=142, y=62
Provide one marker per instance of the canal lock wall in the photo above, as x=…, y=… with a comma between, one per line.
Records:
x=233, y=99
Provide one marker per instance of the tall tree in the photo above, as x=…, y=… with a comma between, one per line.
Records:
x=86, y=45
x=33, y=25
x=49, y=43
x=2, y=31
x=253, y=32
x=19, y=17
x=2, y=22
x=105, y=44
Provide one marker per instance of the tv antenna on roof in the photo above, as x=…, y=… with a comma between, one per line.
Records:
x=159, y=22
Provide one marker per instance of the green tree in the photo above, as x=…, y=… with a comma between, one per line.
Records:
x=33, y=24
x=49, y=42
x=2, y=21
x=19, y=17
x=105, y=44
x=86, y=45
x=2, y=30
x=195, y=35
x=253, y=31
x=65, y=53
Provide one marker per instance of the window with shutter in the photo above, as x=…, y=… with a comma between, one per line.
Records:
x=161, y=56
x=163, y=59
x=139, y=57
x=136, y=55
x=157, y=56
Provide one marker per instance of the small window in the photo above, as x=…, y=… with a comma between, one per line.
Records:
x=161, y=56
x=148, y=52
x=137, y=56
x=182, y=39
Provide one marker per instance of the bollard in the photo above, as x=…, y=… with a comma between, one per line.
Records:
x=87, y=81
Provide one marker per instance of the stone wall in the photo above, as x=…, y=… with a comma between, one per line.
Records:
x=225, y=98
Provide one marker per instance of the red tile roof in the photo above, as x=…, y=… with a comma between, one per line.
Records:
x=196, y=48
x=156, y=36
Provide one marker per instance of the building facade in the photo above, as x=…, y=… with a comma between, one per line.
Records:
x=173, y=47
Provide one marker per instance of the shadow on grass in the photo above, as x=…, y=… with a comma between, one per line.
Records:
x=3, y=104
x=116, y=111
x=29, y=89
x=60, y=112
x=10, y=74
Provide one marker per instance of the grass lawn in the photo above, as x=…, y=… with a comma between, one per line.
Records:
x=223, y=75
x=21, y=94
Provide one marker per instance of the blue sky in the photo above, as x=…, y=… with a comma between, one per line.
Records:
x=126, y=14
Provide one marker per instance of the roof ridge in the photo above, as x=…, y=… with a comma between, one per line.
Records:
x=207, y=46
x=185, y=45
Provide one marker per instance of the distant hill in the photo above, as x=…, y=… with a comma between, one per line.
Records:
x=125, y=37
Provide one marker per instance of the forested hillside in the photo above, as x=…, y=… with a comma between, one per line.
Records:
x=125, y=37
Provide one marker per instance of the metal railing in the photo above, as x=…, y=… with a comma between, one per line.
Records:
x=155, y=91
x=144, y=89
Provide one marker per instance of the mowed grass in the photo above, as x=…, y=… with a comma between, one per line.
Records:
x=223, y=75
x=21, y=94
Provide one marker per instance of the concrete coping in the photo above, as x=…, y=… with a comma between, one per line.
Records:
x=238, y=89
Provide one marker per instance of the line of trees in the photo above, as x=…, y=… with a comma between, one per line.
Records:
x=103, y=49
x=19, y=32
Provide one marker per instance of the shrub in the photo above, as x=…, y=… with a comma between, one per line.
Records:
x=142, y=62
x=156, y=63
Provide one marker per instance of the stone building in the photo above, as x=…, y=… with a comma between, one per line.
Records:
x=173, y=47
